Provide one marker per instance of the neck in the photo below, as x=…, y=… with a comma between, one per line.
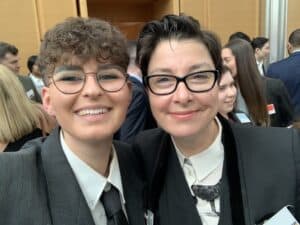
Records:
x=190, y=146
x=96, y=154
x=2, y=146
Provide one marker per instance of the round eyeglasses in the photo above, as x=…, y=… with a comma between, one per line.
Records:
x=201, y=81
x=71, y=81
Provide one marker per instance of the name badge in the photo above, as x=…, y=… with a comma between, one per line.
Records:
x=282, y=217
x=30, y=94
x=271, y=109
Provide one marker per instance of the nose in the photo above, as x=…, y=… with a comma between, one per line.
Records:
x=91, y=86
x=231, y=92
x=182, y=94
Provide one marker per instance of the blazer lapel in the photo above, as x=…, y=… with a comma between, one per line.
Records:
x=66, y=201
x=236, y=181
x=177, y=205
x=132, y=185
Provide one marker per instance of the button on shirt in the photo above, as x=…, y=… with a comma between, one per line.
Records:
x=204, y=168
x=92, y=183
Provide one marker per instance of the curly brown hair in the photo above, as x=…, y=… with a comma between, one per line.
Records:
x=84, y=38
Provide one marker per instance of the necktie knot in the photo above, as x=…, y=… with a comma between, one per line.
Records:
x=113, y=208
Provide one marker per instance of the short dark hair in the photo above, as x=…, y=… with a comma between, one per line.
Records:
x=7, y=48
x=84, y=38
x=31, y=61
x=294, y=38
x=174, y=27
x=259, y=42
x=240, y=35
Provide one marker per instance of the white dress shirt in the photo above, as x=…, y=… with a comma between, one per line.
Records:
x=92, y=183
x=38, y=83
x=260, y=68
x=205, y=168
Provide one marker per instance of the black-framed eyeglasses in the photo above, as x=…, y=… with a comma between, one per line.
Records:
x=200, y=81
x=72, y=80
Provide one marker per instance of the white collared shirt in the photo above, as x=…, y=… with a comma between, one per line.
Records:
x=260, y=68
x=92, y=184
x=38, y=83
x=204, y=168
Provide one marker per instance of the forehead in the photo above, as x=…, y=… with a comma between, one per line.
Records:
x=8, y=56
x=226, y=52
x=226, y=78
x=177, y=54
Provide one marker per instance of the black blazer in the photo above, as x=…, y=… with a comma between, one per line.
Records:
x=261, y=175
x=30, y=89
x=38, y=186
x=277, y=94
x=139, y=116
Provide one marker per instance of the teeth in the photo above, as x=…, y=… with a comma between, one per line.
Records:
x=92, y=111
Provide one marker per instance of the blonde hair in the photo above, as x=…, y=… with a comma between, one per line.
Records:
x=18, y=115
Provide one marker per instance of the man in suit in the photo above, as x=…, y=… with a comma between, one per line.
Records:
x=78, y=175
x=9, y=57
x=261, y=48
x=139, y=116
x=288, y=70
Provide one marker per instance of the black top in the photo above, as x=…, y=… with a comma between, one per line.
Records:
x=15, y=146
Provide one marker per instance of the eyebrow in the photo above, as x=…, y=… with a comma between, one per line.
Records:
x=67, y=68
x=203, y=66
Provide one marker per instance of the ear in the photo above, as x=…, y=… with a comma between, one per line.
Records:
x=257, y=50
x=47, y=101
x=289, y=48
x=129, y=84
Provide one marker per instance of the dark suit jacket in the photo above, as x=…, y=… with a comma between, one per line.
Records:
x=38, y=186
x=288, y=70
x=30, y=89
x=16, y=146
x=139, y=116
x=261, y=175
x=277, y=94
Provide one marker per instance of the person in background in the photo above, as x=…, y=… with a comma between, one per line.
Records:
x=20, y=119
x=78, y=174
x=238, y=56
x=9, y=57
x=35, y=74
x=288, y=70
x=199, y=168
x=227, y=93
x=139, y=116
x=264, y=100
x=261, y=48
x=239, y=35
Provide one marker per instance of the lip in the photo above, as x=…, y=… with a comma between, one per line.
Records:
x=183, y=114
x=93, y=113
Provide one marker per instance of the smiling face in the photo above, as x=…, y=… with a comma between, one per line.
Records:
x=229, y=60
x=227, y=94
x=92, y=115
x=183, y=113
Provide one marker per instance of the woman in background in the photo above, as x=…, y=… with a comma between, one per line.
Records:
x=238, y=56
x=227, y=93
x=20, y=119
x=265, y=101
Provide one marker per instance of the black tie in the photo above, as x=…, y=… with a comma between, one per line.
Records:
x=113, y=207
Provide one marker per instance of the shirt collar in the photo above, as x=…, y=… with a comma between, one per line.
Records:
x=91, y=182
x=207, y=160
